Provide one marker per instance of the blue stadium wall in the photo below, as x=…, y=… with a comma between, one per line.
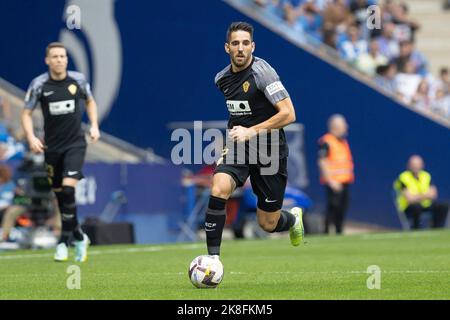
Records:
x=171, y=51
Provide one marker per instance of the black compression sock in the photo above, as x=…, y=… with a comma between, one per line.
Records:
x=286, y=221
x=214, y=224
x=68, y=209
x=64, y=238
x=78, y=234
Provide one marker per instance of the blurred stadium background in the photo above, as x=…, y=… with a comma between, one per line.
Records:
x=152, y=63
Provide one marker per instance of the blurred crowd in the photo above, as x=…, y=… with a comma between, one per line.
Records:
x=12, y=146
x=378, y=41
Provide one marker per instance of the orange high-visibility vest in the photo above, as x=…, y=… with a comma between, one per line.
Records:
x=339, y=161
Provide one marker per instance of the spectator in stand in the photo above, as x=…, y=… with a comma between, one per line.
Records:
x=441, y=103
x=292, y=10
x=330, y=38
x=5, y=111
x=352, y=48
x=6, y=188
x=444, y=80
x=405, y=26
x=341, y=25
x=10, y=149
x=387, y=43
x=358, y=8
x=407, y=53
x=422, y=98
x=407, y=82
x=272, y=6
x=385, y=78
x=369, y=61
x=337, y=16
x=310, y=20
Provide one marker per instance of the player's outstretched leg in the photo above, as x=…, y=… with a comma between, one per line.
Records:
x=70, y=226
x=281, y=221
x=214, y=224
x=62, y=249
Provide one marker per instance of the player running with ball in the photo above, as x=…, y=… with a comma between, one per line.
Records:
x=259, y=108
x=59, y=93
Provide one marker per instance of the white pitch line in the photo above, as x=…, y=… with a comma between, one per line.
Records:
x=381, y=236
x=111, y=251
x=342, y=272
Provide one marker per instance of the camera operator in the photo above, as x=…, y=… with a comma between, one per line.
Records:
x=33, y=199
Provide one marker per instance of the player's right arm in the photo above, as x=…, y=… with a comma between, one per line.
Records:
x=27, y=124
x=31, y=100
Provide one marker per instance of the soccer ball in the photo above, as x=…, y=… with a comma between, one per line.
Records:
x=205, y=272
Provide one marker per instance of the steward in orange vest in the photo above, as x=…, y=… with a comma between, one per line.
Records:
x=336, y=171
x=339, y=161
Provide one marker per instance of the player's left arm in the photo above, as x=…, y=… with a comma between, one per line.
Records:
x=284, y=116
x=91, y=109
x=269, y=83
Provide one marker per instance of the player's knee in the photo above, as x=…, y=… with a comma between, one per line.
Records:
x=220, y=192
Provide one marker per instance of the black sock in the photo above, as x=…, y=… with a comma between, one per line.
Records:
x=78, y=233
x=214, y=224
x=68, y=209
x=286, y=221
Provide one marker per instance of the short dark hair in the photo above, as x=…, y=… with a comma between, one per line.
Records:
x=236, y=26
x=54, y=45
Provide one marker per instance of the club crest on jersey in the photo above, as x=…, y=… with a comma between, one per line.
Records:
x=245, y=86
x=72, y=89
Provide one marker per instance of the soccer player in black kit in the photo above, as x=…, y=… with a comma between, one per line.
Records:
x=258, y=103
x=59, y=93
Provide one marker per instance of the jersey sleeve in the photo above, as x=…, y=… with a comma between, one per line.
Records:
x=220, y=76
x=268, y=81
x=83, y=83
x=33, y=94
x=87, y=91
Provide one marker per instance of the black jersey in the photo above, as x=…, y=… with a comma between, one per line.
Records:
x=251, y=95
x=62, y=109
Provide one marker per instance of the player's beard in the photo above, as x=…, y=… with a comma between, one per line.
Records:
x=243, y=62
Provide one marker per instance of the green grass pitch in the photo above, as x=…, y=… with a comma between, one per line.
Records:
x=414, y=265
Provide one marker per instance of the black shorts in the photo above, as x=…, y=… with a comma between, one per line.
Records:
x=268, y=188
x=65, y=164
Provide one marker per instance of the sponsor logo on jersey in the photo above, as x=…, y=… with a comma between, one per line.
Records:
x=274, y=87
x=238, y=107
x=48, y=93
x=61, y=107
x=72, y=89
x=245, y=86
